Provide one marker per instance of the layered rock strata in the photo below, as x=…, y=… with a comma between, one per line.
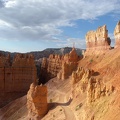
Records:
x=16, y=76
x=54, y=64
x=69, y=64
x=50, y=67
x=98, y=40
x=60, y=66
x=117, y=35
x=37, y=102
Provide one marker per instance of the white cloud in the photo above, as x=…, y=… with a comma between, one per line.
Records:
x=10, y=3
x=79, y=43
x=42, y=19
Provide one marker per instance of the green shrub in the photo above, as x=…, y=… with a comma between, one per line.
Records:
x=78, y=106
x=91, y=60
x=51, y=100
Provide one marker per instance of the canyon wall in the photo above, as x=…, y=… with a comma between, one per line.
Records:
x=16, y=76
x=60, y=66
x=50, y=67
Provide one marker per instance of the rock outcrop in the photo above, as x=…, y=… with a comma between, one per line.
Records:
x=69, y=64
x=117, y=35
x=98, y=40
x=50, y=67
x=81, y=73
x=37, y=102
x=54, y=64
x=79, y=80
x=87, y=82
x=16, y=76
x=60, y=66
x=96, y=89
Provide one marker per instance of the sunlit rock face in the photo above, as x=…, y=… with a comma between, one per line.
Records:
x=69, y=64
x=37, y=102
x=117, y=35
x=83, y=80
x=98, y=40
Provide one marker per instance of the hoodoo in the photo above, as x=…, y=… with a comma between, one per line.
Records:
x=117, y=35
x=97, y=40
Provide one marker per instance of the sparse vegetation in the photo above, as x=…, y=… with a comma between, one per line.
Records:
x=91, y=60
x=78, y=106
x=51, y=100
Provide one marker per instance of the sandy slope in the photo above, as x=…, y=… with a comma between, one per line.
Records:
x=14, y=110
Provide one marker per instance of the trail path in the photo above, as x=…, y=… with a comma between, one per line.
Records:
x=69, y=114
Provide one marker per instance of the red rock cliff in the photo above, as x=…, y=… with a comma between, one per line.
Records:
x=16, y=77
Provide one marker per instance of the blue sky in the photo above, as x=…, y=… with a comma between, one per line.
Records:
x=34, y=25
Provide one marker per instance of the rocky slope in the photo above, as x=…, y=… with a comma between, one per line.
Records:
x=91, y=92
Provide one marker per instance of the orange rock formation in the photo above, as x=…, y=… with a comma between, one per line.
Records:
x=50, y=67
x=16, y=76
x=69, y=63
x=93, y=85
x=37, y=102
x=60, y=66
x=98, y=40
x=117, y=35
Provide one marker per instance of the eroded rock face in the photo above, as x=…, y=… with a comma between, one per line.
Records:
x=79, y=80
x=37, y=102
x=80, y=73
x=117, y=35
x=16, y=76
x=98, y=40
x=69, y=64
x=86, y=82
x=50, y=67
x=96, y=89
x=60, y=66
x=54, y=64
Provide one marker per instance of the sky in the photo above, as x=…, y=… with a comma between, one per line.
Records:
x=34, y=25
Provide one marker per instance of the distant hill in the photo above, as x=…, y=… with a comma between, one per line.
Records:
x=46, y=52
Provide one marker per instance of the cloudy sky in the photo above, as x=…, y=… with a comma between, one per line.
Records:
x=33, y=25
